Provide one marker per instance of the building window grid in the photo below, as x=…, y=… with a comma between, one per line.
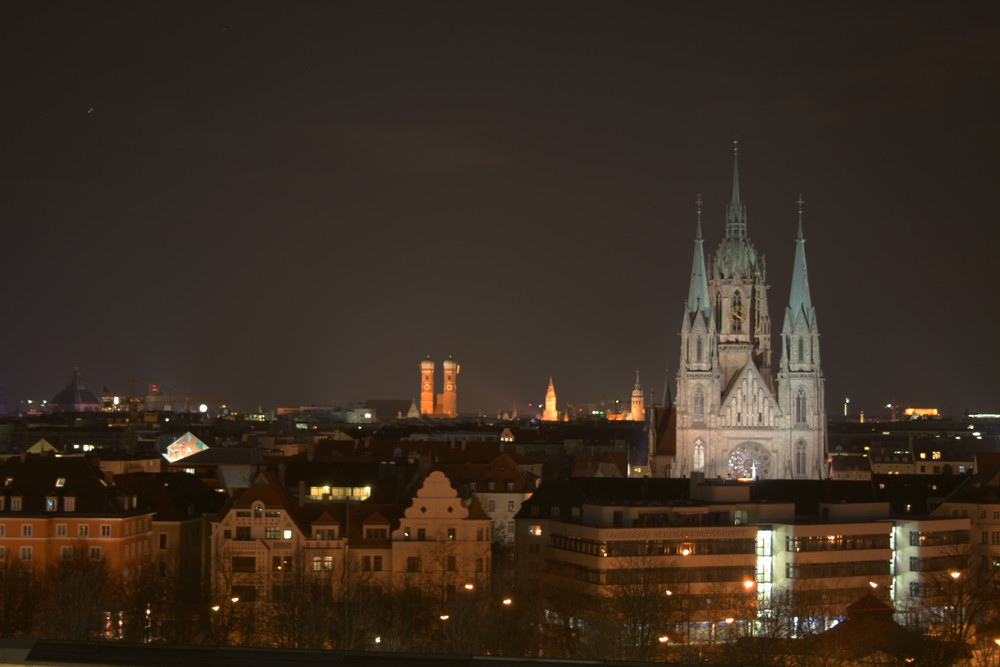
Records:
x=836, y=542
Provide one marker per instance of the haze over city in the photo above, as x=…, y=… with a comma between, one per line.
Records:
x=293, y=203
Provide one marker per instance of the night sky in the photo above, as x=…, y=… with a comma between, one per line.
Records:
x=293, y=203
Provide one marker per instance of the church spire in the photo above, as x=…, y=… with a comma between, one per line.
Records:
x=799, y=299
x=698, y=291
x=736, y=212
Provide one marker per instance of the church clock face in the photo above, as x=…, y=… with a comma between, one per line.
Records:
x=749, y=461
x=736, y=315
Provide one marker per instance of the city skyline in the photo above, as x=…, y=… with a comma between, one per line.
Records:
x=296, y=204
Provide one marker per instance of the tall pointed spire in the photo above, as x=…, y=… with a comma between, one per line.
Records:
x=799, y=299
x=736, y=212
x=698, y=290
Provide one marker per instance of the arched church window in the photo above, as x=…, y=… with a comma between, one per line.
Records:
x=698, y=462
x=699, y=406
x=800, y=407
x=697, y=345
x=801, y=350
x=800, y=458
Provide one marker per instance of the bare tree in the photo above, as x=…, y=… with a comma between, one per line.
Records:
x=79, y=598
x=18, y=602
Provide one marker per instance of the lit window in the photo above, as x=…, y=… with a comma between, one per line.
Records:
x=272, y=533
x=51, y=503
x=61, y=482
x=288, y=534
x=535, y=530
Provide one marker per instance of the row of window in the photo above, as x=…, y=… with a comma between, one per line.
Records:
x=83, y=530
x=936, y=564
x=937, y=539
x=673, y=576
x=654, y=547
x=836, y=570
x=837, y=542
x=65, y=553
x=492, y=486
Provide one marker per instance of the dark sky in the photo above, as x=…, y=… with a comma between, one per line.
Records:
x=292, y=202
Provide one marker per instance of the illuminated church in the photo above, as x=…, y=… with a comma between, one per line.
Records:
x=735, y=416
x=444, y=404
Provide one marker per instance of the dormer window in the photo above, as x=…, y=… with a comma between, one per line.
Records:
x=69, y=504
x=51, y=503
x=15, y=504
x=472, y=486
x=258, y=510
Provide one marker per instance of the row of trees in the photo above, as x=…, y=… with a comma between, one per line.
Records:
x=346, y=609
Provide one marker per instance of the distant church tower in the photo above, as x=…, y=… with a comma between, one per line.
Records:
x=551, y=413
x=427, y=387
x=444, y=404
x=448, y=401
x=731, y=420
x=637, y=413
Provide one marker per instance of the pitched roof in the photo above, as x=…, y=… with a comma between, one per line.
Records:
x=34, y=478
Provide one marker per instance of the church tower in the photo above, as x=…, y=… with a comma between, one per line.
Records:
x=551, y=413
x=427, y=387
x=731, y=420
x=637, y=412
x=448, y=403
x=800, y=380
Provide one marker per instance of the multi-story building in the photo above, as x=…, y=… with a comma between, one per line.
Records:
x=51, y=508
x=431, y=539
x=709, y=544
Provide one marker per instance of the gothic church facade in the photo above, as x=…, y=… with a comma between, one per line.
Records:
x=736, y=416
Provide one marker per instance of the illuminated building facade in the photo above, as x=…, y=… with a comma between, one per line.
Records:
x=444, y=404
x=736, y=418
x=60, y=508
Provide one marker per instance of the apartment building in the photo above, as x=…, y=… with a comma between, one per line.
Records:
x=51, y=507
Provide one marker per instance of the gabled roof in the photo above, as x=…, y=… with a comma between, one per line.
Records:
x=751, y=373
x=173, y=496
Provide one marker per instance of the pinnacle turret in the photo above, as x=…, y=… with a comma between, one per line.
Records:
x=736, y=212
x=698, y=299
x=799, y=299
